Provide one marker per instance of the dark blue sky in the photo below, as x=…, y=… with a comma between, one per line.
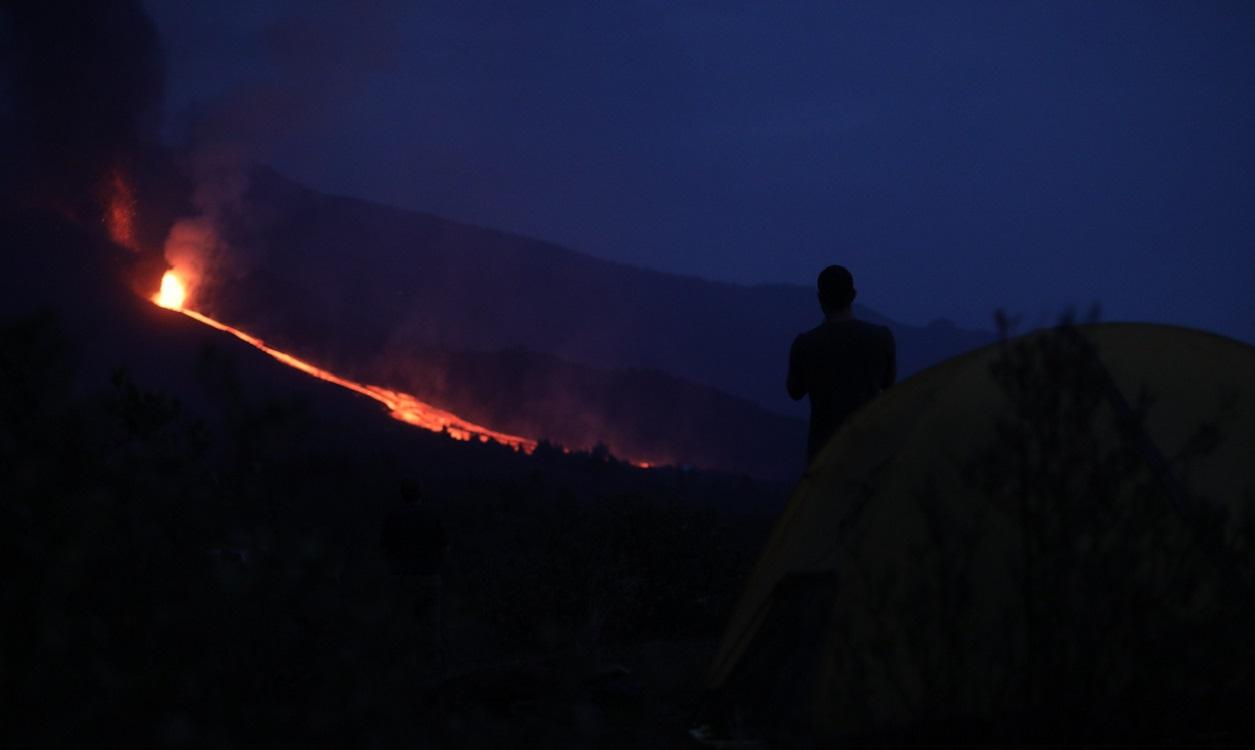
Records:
x=956, y=156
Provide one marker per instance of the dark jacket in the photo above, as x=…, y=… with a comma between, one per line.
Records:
x=841, y=365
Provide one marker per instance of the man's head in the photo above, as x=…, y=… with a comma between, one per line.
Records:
x=836, y=289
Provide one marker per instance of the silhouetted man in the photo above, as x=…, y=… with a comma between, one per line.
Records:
x=841, y=364
x=414, y=545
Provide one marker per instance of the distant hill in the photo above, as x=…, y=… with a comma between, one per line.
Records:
x=368, y=278
x=570, y=346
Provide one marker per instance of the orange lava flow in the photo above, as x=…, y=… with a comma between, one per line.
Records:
x=400, y=405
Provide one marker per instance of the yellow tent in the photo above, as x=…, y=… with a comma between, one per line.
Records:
x=914, y=582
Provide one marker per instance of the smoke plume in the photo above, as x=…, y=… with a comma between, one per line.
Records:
x=83, y=91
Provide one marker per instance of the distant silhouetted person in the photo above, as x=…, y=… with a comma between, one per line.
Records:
x=841, y=364
x=414, y=545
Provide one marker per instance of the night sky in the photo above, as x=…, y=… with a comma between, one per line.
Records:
x=956, y=156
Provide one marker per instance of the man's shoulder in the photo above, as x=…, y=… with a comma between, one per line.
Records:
x=868, y=330
x=867, y=325
x=849, y=328
x=810, y=334
x=811, y=338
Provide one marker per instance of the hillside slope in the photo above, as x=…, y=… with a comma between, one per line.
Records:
x=355, y=278
x=541, y=339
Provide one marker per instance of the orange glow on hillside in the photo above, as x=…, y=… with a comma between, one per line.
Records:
x=401, y=406
x=120, y=219
x=120, y=212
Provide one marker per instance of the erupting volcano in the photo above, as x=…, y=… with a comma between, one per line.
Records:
x=402, y=406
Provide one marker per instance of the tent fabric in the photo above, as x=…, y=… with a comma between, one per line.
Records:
x=924, y=620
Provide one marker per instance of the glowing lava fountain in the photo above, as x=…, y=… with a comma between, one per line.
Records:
x=402, y=406
x=173, y=294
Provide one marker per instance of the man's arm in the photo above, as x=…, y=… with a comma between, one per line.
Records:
x=891, y=361
x=795, y=382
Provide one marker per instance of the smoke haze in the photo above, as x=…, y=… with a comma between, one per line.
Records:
x=84, y=93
